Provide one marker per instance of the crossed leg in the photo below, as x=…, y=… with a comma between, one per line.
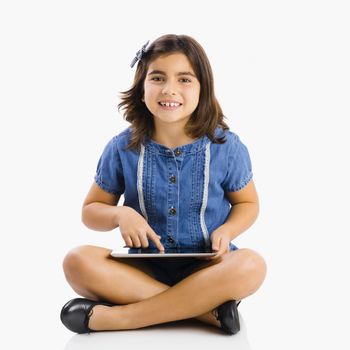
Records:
x=143, y=301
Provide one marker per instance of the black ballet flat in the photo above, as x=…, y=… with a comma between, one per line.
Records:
x=227, y=315
x=76, y=313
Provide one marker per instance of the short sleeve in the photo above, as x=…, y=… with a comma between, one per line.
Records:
x=109, y=172
x=239, y=171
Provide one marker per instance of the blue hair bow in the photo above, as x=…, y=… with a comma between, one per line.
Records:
x=139, y=54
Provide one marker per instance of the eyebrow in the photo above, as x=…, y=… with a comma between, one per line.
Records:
x=156, y=71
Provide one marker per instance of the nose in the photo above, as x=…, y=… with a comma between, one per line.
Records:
x=169, y=88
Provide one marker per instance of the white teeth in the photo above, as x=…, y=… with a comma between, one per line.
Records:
x=170, y=104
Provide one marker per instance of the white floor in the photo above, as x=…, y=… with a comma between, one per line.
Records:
x=170, y=335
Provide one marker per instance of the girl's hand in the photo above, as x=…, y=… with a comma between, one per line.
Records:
x=135, y=230
x=220, y=239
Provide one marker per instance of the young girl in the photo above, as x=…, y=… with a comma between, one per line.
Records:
x=187, y=183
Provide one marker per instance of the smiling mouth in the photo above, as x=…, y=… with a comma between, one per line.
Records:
x=169, y=105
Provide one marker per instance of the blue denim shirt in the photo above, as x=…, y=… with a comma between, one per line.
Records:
x=180, y=191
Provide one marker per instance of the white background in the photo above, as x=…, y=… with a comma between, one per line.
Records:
x=282, y=78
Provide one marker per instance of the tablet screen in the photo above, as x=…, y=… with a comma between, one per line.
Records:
x=168, y=252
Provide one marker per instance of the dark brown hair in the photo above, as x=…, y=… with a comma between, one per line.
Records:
x=205, y=118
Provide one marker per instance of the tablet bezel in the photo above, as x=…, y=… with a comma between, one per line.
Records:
x=155, y=253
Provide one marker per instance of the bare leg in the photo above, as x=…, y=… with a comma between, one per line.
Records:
x=237, y=275
x=92, y=275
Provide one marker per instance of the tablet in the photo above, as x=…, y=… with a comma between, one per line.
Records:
x=155, y=253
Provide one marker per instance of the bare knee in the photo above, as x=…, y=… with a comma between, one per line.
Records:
x=246, y=266
x=76, y=262
x=254, y=264
x=77, y=265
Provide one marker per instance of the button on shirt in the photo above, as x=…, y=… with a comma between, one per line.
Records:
x=181, y=191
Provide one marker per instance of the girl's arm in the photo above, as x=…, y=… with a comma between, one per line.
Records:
x=244, y=211
x=100, y=211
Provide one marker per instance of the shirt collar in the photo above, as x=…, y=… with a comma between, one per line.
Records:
x=189, y=148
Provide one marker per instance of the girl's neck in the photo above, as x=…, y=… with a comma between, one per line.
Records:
x=171, y=137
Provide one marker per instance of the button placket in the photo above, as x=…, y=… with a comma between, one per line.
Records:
x=170, y=239
x=173, y=200
x=179, y=158
x=178, y=152
x=172, y=211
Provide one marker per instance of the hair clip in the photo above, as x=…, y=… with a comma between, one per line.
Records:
x=139, y=54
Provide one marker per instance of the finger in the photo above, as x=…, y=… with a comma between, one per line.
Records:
x=212, y=257
x=136, y=242
x=144, y=240
x=215, y=257
x=156, y=239
x=128, y=241
x=216, y=243
x=223, y=248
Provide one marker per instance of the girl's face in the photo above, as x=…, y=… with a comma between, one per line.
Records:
x=171, y=89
